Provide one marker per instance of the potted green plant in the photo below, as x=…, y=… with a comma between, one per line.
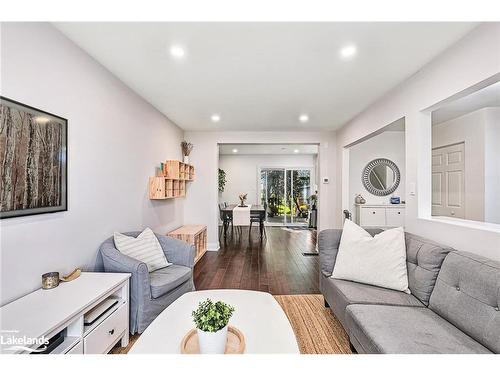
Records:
x=314, y=200
x=222, y=180
x=211, y=320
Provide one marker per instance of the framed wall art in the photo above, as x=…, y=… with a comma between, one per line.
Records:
x=33, y=159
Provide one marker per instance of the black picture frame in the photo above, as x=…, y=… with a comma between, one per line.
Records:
x=32, y=126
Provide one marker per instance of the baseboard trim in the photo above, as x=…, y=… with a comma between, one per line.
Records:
x=213, y=246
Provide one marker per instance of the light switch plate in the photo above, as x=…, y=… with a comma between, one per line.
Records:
x=412, y=188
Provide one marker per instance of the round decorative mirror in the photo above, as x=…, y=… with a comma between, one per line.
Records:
x=381, y=177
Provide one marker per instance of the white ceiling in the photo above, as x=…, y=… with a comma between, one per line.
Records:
x=486, y=97
x=268, y=149
x=262, y=76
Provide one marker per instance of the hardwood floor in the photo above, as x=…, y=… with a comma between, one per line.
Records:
x=274, y=264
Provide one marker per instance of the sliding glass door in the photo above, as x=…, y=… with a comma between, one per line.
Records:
x=285, y=192
x=273, y=194
x=298, y=191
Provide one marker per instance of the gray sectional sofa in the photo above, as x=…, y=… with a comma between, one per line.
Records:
x=453, y=306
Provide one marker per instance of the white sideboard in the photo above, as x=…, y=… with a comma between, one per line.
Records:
x=46, y=313
x=380, y=215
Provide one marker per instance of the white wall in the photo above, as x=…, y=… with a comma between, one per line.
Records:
x=202, y=195
x=115, y=140
x=389, y=145
x=473, y=59
x=242, y=173
x=492, y=166
x=469, y=129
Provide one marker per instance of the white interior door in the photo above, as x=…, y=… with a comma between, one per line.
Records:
x=448, y=181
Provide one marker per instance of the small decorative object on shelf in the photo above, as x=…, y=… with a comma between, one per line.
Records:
x=395, y=200
x=72, y=276
x=160, y=170
x=243, y=198
x=50, y=280
x=211, y=320
x=187, y=147
x=359, y=199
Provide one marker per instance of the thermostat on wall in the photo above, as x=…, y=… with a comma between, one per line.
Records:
x=326, y=180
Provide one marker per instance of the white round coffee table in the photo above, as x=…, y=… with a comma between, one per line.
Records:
x=257, y=315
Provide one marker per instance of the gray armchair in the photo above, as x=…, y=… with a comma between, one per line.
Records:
x=151, y=293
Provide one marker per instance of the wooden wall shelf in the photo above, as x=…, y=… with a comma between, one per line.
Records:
x=171, y=182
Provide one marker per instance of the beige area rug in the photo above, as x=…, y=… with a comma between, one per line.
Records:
x=315, y=327
x=317, y=330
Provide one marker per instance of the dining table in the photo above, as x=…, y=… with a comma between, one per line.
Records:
x=255, y=210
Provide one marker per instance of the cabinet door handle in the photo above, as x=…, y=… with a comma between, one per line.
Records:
x=112, y=331
x=373, y=212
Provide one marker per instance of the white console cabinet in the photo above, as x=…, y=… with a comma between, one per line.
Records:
x=62, y=311
x=380, y=216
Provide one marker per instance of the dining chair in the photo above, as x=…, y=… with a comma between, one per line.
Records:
x=225, y=217
x=255, y=218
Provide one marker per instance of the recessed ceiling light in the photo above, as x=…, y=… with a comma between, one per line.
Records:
x=215, y=117
x=304, y=118
x=296, y=151
x=348, y=51
x=177, y=51
x=235, y=150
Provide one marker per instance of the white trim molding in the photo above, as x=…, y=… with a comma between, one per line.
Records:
x=213, y=246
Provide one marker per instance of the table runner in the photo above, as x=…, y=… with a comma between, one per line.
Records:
x=241, y=215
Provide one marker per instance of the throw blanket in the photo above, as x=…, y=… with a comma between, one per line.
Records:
x=241, y=215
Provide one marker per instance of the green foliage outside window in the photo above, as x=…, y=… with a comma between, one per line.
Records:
x=294, y=202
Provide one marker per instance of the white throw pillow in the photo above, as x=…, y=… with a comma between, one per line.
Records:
x=378, y=260
x=145, y=248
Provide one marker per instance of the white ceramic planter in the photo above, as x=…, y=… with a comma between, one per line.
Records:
x=212, y=342
x=186, y=159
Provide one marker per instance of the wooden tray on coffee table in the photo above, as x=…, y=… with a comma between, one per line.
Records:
x=235, y=342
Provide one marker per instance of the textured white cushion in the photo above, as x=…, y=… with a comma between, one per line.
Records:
x=145, y=248
x=379, y=260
